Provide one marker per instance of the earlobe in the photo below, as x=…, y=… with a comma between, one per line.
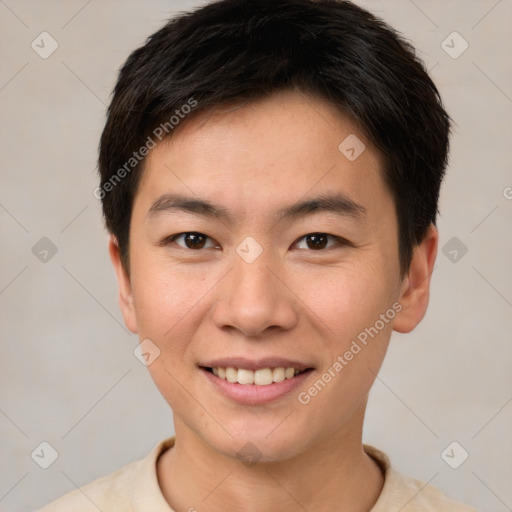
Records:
x=125, y=296
x=415, y=290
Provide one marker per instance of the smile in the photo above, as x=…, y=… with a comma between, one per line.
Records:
x=261, y=377
x=257, y=386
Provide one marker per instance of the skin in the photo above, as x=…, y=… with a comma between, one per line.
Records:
x=293, y=301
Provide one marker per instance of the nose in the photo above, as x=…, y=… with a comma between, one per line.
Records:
x=254, y=298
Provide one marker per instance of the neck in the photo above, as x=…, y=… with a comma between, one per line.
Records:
x=335, y=474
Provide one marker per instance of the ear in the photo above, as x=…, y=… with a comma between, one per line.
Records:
x=415, y=289
x=124, y=285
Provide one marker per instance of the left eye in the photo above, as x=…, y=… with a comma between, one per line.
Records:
x=319, y=241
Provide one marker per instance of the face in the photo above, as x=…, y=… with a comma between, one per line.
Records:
x=257, y=244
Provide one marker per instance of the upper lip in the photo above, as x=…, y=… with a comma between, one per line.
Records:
x=254, y=364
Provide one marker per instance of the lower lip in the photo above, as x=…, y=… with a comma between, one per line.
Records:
x=252, y=394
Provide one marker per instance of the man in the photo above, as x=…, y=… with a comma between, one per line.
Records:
x=270, y=173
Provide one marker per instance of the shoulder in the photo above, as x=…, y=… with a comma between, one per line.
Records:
x=423, y=497
x=406, y=494
x=125, y=489
x=105, y=493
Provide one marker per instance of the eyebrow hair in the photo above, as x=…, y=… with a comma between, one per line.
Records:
x=337, y=203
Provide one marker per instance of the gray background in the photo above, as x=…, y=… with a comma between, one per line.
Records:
x=69, y=376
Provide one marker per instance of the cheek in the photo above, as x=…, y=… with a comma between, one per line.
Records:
x=166, y=297
x=354, y=310
x=344, y=300
x=168, y=305
x=347, y=307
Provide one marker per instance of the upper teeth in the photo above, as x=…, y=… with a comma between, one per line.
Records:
x=262, y=377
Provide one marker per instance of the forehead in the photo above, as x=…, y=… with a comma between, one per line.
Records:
x=264, y=155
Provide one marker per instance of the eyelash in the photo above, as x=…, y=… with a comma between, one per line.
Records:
x=339, y=241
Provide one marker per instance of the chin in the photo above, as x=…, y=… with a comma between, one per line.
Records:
x=265, y=442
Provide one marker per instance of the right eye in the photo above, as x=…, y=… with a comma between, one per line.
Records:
x=191, y=239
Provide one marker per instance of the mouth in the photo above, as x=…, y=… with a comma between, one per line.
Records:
x=255, y=383
x=260, y=377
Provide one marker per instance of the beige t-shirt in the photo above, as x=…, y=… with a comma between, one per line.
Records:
x=134, y=488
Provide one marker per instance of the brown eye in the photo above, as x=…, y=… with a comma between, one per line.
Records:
x=316, y=241
x=192, y=240
x=319, y=241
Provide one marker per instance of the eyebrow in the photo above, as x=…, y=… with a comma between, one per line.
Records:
x=338, y=204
